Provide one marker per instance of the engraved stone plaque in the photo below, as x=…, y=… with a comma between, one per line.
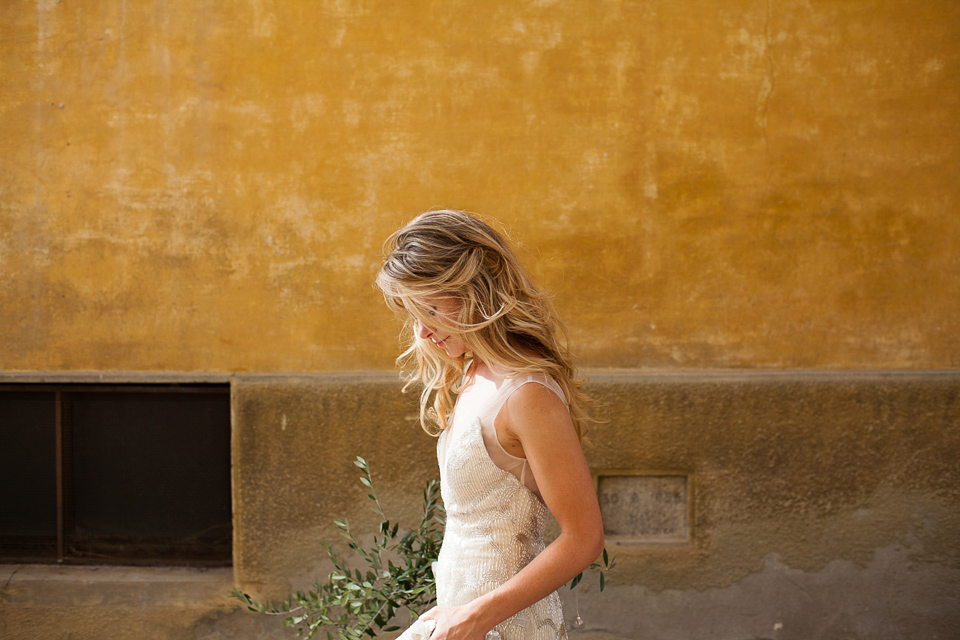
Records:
x=645, y=508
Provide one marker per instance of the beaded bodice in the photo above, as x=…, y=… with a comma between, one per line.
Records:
x=494, y=528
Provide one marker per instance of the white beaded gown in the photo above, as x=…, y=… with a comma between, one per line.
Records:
x=494, y=522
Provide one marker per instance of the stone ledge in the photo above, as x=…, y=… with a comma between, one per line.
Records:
x=594, y=374
x=110, y=586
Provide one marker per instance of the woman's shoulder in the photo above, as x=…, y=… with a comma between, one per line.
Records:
x=535, y=405
x=520, y=383
x=505, y=384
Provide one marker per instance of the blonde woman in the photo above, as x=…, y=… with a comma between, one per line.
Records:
x=509, y=446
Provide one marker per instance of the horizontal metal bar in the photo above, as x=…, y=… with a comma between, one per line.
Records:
x=118, y=388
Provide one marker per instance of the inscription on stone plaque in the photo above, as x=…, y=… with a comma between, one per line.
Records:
x=645, y=508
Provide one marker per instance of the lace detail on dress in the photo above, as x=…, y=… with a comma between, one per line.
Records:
x=494, y=528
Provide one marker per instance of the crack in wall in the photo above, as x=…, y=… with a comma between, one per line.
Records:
x=768, y=83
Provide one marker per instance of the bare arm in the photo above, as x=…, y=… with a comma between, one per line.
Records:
x=540, y=422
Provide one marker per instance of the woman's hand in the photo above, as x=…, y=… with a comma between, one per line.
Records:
x=456, y=623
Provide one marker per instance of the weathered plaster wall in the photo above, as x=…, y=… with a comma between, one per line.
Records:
x=812, y=467
x=825, y=504
x=295, y=440
x=205, y=186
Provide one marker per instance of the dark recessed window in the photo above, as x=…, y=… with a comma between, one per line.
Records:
x=132, y=474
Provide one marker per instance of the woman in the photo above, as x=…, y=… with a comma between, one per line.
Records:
x=510, y=447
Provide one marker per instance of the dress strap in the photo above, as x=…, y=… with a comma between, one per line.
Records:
x=507, y=388
x=510, y=463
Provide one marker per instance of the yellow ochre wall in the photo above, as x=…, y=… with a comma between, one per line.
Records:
x=205, y=186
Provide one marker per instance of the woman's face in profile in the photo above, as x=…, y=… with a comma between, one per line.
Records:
x=445, y=310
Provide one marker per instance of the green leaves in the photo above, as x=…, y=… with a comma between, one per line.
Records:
x=604, y=564
x=397, y=575
x=353, y=604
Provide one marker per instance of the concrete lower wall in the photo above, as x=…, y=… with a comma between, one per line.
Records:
x=820, y=506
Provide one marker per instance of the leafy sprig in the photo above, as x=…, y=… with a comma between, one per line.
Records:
x=605, y=563
x=397, y=576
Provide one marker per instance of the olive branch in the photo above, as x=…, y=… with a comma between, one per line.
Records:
x=398, y=576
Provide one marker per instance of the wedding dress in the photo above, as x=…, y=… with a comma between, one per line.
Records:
x=494, y=520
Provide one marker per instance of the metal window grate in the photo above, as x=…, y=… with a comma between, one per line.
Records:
x=133, y=474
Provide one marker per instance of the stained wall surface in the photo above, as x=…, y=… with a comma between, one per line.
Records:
x=824, y=506
x=206, y=186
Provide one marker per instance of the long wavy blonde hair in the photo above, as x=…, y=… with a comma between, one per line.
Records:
x=503, y=318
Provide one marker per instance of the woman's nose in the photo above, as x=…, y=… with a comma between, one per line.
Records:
x=423, y=331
